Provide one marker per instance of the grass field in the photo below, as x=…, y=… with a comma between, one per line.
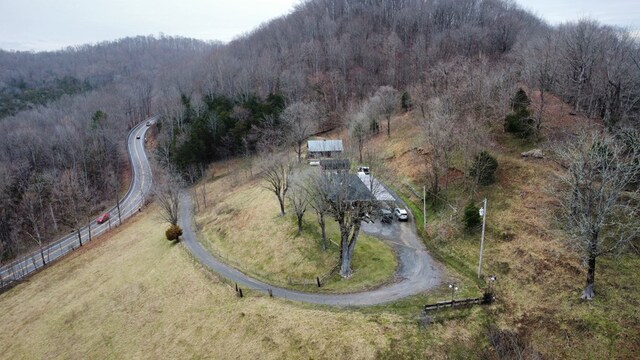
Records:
x=135, y=295
x=243, y=226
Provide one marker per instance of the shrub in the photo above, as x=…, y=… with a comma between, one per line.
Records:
x=520, y=101
x=519, y=123
x=173, y=233
x=472, y=217
x=405, y=101
x=484, y=168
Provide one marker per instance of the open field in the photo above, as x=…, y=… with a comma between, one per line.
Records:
x=243, y=226
x=135, y=295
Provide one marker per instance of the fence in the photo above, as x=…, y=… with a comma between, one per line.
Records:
x=486, y=299
x=18, y=269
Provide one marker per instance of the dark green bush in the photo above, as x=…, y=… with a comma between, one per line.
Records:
x=406, y=101
x=472, y=217
x=173, y=233
x=520, y=101
x=520, y=124
x=484, y=168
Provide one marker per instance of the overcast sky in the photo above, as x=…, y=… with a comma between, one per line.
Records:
x=54, y=24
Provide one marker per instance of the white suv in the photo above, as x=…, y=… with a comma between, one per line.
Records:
x=401, y=214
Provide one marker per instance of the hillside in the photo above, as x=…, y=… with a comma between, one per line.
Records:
x=440, y=95
x=134, y=294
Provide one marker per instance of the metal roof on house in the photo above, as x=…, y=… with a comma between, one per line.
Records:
x=349, y=187
x=335, y=164
x=324, y=145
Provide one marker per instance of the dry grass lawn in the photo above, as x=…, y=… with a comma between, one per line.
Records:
x=242, y=225
x=135, y=295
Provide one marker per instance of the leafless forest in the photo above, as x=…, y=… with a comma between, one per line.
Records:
x=66, y=113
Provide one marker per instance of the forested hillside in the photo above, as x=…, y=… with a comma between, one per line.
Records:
x=63, y=159
x=457, y=61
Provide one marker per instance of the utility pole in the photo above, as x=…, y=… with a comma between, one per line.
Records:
x=424, y=207
x=483, y=213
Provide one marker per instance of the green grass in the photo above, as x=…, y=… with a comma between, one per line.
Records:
x=244, y=229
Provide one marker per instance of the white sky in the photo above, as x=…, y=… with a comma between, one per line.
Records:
x=54, y=24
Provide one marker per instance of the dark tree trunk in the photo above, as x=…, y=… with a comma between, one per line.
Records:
x=299, y=151
x=323, y=232
x=346, y=251
x=388, y=126
x=588, y=293
x=299, y=216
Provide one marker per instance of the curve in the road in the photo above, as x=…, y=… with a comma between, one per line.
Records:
x=417, y=270
x=130, y=203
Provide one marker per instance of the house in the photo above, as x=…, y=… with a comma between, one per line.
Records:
x=349, y=188
x=324, y=149
x=335, y=164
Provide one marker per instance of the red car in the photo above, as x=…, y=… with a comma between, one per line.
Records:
x=102, y=218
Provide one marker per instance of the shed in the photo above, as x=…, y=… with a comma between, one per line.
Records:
x=321, y=149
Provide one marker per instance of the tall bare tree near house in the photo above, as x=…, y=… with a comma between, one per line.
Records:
x=298, y=198
x=386, y=101
x=316, y=191
x=166, y=191
x=599, y=195
x=349, y=202
x=275, y=173
x=301, y=119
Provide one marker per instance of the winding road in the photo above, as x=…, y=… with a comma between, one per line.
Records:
x=130, y=203
x=417, y=271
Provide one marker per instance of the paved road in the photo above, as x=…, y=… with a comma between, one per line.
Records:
x=417, y=270
x=133, y=200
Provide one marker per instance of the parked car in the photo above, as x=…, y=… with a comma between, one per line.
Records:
x=386, y=216
x=364, y=169
x=401, y=214
x=103, y=218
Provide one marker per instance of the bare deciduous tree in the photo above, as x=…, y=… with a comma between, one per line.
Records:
x=348, y=202
x=167, y=191
x=541, y=69
x=301, y=119
x=600, y=207
x=438, y=129
x=276, y=172
x=386, y=102
x=358, y=131
x=298, y=199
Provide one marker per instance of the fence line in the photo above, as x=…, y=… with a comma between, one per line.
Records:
x=27, y=264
